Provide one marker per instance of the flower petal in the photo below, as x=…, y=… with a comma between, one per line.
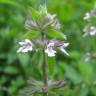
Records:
x=28, y=41
x=26, y=46
x=66, y=44
x=50, y=52
x=20, y=49
x=63, y=50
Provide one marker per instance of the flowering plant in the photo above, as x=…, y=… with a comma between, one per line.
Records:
x=90, y=29
x=43, y=25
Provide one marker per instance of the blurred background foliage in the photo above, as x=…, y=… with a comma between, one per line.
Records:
x=15, y=68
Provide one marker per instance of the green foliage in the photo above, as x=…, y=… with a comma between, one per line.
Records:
x=34, y=13
x=55, y=34
x=15, y=68
x=72, y=75
x=30, y=35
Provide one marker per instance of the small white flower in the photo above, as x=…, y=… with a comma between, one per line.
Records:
x=88, y=56
x=90, y=30
x=90, y=14
x=62, y=48
x=87, y=16
x=50, y=50
x=26, y=46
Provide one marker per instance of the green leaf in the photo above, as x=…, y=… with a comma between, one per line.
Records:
x=3, y=79
x=18, y=82
x=12, y=3
x=43, y=9
x=35, y=14
x=31, y=35
x=84, y=91
x=11, y=90
x=85, y=69
x=15, y=84
x=74, y=55
x=24, y=59
x=93, y=90
x=72, y=74
x=55, y=34
x=11, y=70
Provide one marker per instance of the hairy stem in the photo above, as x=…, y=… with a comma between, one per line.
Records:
x=44, y=66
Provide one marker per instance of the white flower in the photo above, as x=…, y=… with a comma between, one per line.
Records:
x=56, y=44
x=90, y=30
x=88, y=56
x=50, y=50
x=90, y=14
x=26, y=46
x=62, y=48
x=87, y=16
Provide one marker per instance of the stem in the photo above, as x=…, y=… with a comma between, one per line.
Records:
x=44, y=65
